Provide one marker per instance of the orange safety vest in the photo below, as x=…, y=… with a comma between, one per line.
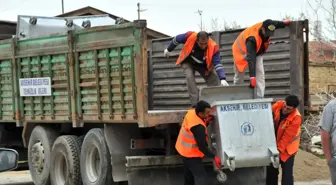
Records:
x=186, y=144
x=188, y=46
x=293, y=146
x=239, y=51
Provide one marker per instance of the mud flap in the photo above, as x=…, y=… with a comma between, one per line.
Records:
x=168, y=170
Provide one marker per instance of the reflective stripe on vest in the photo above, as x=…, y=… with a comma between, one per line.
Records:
x=190, y=137
x=186, y=144
x=239, y=50
x=242, y=40
x=293, y=146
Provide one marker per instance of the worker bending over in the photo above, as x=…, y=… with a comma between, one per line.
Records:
x=287, y=125
x=248, y=49
x=200, y=53
x=191, y=144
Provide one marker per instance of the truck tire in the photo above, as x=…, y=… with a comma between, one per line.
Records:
x=39, y=150
x=93, y=171
x=65, y=164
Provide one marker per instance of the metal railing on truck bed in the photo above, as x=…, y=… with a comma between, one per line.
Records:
x=95, y=76
x=285, y=63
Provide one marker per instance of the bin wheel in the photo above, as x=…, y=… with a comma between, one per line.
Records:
x=221, y=176
x=231, y=164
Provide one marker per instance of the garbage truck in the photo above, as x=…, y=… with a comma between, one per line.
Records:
x=101, y=105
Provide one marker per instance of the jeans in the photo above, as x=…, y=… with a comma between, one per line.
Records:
x=194, y=171
x=287, y=173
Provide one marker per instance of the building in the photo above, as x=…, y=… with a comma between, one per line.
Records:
x=322, y=66
x=322, y=70
x=7, y=29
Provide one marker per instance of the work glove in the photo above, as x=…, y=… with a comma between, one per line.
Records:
x=208, y=120
x=287, y=22
x=218, y=162
x=224, y=83
x=253, y=82
x=166, y=53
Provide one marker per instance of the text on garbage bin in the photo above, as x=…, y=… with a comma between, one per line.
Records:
x=243, y=107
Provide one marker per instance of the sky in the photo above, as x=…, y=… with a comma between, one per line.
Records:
x=169, y=17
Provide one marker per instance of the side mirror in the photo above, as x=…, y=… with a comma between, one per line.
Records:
x=8, y=159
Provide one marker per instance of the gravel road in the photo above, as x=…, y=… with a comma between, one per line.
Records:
x=23, y=178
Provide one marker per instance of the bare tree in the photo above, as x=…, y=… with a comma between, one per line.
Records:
x=322, y=29
x=316, y=8
x=225, y=26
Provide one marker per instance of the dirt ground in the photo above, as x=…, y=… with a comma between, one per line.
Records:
x=308, y=170
x=15, y=178
x=309, y=167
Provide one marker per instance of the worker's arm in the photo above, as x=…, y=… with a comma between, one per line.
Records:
x=178, y=39
x=325, y=125
x=200, y=137
x=289, y=134
x=217, y=64
x=279, y=24
x=251, y=48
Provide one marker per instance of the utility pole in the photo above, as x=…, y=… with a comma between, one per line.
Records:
x=62, y=6
x=200, y=14
x=140, y=10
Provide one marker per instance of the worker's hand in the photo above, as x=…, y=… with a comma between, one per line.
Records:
x=208, y=120
x=224, y=83
x=166, y=53
x=253, y=82
x=287, y=22
x=218, y=162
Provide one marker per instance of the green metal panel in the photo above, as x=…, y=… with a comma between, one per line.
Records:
x=105, y=73
x=7, y=103
x=105, y=82
x=51, y=63
x=101, y=62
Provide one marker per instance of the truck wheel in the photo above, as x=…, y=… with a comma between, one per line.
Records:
x=65, y=166
x=95, y=158
x=39, y=148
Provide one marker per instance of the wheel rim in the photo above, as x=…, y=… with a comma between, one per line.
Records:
x=61, y=168
x=37, y=157
x=93, y=164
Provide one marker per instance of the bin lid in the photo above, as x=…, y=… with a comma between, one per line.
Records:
x=226, y=93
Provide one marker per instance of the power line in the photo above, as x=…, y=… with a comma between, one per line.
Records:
x=62, y=6
x=139, y=10
x=200, y=14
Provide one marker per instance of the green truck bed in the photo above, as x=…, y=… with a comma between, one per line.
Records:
x=93, y=76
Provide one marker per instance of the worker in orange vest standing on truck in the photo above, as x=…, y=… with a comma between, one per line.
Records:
x=191, y=144
x=200, y=53
x=287, y=126
x=248, y=50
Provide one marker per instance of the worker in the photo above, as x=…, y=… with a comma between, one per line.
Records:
x=328, y=137
x=287, y=125
x=248, y=50
x=200, y=53
x=191, y=144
